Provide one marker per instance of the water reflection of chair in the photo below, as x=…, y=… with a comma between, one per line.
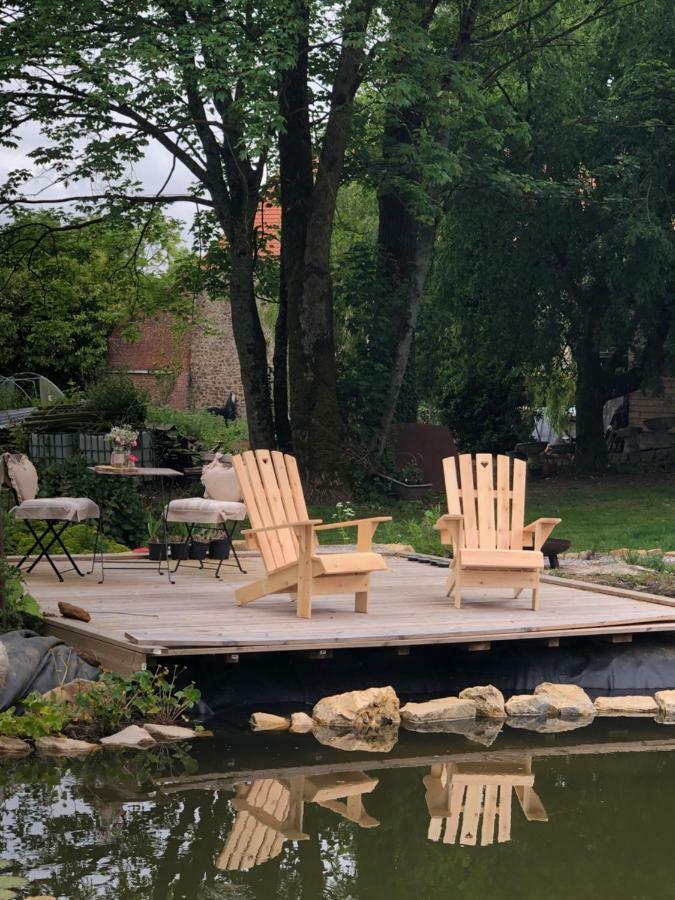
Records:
x=458, y=794
x=270, y=811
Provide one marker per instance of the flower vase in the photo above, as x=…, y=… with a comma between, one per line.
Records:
x=119, y=459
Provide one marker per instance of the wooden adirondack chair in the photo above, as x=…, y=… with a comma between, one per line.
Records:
x=458, y=795
x=486, y=526
x=286, y=538
x=270, y=811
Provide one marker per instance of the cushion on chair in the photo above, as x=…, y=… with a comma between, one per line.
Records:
x=220, y=481
x=203, y=511
x=64, y=509
x=21, y=475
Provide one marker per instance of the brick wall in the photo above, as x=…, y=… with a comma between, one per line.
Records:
x=214, y=365
x=649, y=405
x=158, y=361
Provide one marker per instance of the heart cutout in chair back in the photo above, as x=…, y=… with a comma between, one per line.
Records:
x=484, y=465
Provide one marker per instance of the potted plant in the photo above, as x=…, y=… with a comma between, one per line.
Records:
x=156, y=544
x=410, y=484
x=219, y=545
x=178, y=542
x=123, y=439
x=199, y=545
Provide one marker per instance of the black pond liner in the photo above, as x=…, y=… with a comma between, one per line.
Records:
x=601, y=668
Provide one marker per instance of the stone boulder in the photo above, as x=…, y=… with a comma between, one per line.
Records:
x=568, y=699
x=359, y=710
x=131, y=736
x=543, y=725
x=165, y=733
x=665, y=701
x=301, y=723
x=488, y=699
x=530, y=705
x=445, y=709
x=261, y=721
x=57, y=745
x=381, y=740
x=626, y=706
x=13, y=746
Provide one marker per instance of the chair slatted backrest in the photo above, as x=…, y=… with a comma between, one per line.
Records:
x=493, y=516
x=272, y=491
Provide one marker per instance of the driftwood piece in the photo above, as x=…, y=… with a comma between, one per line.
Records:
x=70, y=611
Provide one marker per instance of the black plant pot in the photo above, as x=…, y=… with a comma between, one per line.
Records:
x=156, y=550
x=199, y=550
x=220, y=549
x=180, y=550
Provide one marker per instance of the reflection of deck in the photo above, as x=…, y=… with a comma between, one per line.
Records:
x=137, y=615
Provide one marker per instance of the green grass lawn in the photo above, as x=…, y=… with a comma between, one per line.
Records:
x=634, y=511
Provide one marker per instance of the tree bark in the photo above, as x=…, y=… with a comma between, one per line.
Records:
x=282, y=423
x=249, y=337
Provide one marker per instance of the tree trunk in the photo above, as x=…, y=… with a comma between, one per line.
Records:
x=315, y=414
x=249, y=337
x=590, y=395
x=280, y=368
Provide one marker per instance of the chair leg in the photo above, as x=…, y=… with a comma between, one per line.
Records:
x=458, y=588
x=517, y=592
x=361, y=601
x=304, y=601
x=535, y=595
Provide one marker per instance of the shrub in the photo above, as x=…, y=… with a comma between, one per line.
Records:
x=20, y=610
x=115, y=400
x=200, y=425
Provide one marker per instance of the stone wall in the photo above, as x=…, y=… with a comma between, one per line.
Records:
x=214, y=365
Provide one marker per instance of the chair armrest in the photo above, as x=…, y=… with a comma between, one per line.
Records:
x=375, y=519
x=450, y=527
x=366, y=530
x=539, y=531
x=301, y=524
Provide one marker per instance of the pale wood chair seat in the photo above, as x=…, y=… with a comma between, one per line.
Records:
x=485, y=525
x=287, y=541
x=502, y=559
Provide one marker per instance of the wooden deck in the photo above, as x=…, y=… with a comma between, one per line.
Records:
x=136, y=615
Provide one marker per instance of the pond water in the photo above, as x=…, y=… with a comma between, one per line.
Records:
x=586, y=813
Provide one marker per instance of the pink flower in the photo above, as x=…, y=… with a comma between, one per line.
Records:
x=134, y=443
x=132, y=458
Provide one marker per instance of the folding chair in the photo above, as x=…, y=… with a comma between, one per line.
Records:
x=220, y=504
x=18, y=473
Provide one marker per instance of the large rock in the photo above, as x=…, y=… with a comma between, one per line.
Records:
x=568, y=699
x=626, y=706
x=665, y=701
x=166, y=733
x=544, y=725
x=359, y=710
x=530, y=705
x=301, y=723
x=488, y=699
x=267, y=722
x=68, y=694
x=70, y=611
x=131, y=736
x=13, y=746
x=57, y=745
x=445, y=709
x=381, y=740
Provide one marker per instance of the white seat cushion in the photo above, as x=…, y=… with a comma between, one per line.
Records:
x=65, y=509
x=202, y=511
